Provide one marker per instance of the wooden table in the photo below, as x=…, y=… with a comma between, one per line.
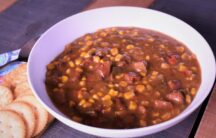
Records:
x=204, y=124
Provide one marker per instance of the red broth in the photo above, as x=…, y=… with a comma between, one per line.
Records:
x=123, y=77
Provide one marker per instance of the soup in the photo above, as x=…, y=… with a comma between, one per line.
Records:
x=123, y=77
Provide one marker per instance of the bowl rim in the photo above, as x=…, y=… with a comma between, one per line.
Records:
x=159, y=127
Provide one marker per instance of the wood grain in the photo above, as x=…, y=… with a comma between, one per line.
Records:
x=108, y=3
x=4, y=4
x=207, y=127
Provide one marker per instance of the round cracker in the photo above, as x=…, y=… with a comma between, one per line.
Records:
x=27, y=112
x=6, y=96
x=22, y=89
x=41, y=113
x=17, y=76
x=11, y=125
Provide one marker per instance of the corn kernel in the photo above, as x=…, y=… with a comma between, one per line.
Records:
x=123, y=83
x=194, y=68
x=68, y=71
x=89, y=43
x=99, y=40
x=106, y=97
x=116, y=85
x=157, y=93
x=188, y=99
x=110, y=85
x=80, y=95
x=107, y=110
x=149, y=87
x=101, y=61
x=79, y=69
x=64, y=79
x=193, y=91
x=129, y=46
x=88, y=38
x=113, y=92
x=90, y=67
x=87, y=104
x=82, y=54
x=119, y=76
x=129, y=95
x=91, y=100
x=96, y=59
x=140, y=88
x=111, y=58
x=156, y=121
x=135, y=33
x=100, y=94
x=155, y=114
x=155, y=73
x=83, y=89
x=180, y=49
x=50, y=66
x=151, y=39
x=120, y=95
x=107, y=103
x=143, y=74
x=80, y=43
x=146, y=44
x=76, y=118
x=118, y=57
x=82, y=83
x=121, y=32
x=95, y=97
x=182, y=68
x=162, y=46
x=164, y=65
x=104, y=44
x=132, y=105
x=145, y=82
x=113, y=29
x=166, y=116
x=82, y=102
x=147, y=57
x=114, y=51
x=71, y=64
x=124, y=40
x=185, y=56
x=78, y=61
x=103, y=34
x=83, y=78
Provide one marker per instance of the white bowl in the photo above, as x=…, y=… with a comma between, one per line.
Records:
x=53, y=41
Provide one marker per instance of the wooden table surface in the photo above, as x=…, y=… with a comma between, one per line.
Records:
x=205, y=125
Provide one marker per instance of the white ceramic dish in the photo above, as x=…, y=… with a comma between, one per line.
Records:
x=53, y=41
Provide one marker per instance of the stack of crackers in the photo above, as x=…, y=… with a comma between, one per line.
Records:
x=21, y=115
